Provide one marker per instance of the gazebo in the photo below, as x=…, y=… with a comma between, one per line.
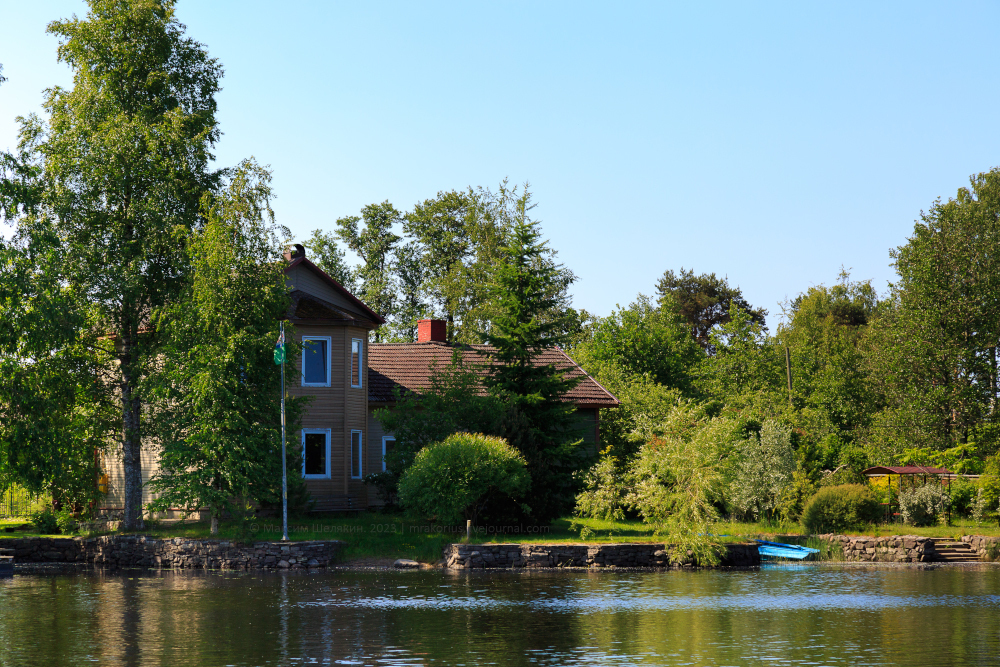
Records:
x=900, y=471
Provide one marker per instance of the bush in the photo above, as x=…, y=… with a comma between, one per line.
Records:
x=963, y=495
x=836, y=509
x=456, y=478
x=925, y=505
x=46, y=521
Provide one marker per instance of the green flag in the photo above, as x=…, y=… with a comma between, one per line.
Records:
x=279, y=350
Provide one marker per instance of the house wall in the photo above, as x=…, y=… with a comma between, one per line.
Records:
x=339, y=407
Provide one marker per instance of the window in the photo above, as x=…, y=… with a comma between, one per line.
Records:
x=356, y=351
x=356, y=454
x=388, y=444
x=316, y=453
x=316, y=361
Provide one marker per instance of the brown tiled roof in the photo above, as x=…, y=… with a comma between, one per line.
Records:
x=409, y=366
x=309, y=309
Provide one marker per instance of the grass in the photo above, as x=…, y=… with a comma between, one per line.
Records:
x=381, y=536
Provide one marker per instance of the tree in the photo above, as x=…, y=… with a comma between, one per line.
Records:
x=123, y=164
x=933, y=347
x=642, y=339
x=705, y=302
x=374, y=244
x=527, y=318
x=408, y=276
x=328, y=256
x=215, y=391
x=446, y=231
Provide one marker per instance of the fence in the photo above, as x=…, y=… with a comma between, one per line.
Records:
x=17, y=502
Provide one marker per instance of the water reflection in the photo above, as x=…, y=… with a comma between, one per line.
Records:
x=792, y=615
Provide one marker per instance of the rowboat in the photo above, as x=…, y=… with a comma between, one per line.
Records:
x=778, y=550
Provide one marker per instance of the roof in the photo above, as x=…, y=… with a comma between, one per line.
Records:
x=372, y=315
x=306, y=308
x=905, y=470
x=409, y=366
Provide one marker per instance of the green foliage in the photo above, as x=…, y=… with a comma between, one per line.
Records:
x=705, y=302
x=46, y=520
x=119, y=165
x=762, y=471
x=747, y=363
x=455, y=479
x=841, y=508
x=374, y=243
x=215, y=394
x=604, y=492
x=327, y=255
x=933, y=357
x=528, y=318
x=963, y=494
x=924, y=505
x=642, y=340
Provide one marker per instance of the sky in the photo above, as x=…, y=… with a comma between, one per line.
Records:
x=771, y=143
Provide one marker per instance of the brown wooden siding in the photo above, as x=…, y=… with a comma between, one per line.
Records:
x=302, y=278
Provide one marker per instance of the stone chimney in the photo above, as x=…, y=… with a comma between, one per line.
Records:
x=295, y=252
x=429, y=331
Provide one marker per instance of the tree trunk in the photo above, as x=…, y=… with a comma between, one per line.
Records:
x=214, y=523
x=131, y=443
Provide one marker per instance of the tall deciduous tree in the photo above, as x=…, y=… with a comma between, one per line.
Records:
x=328, y=256
x=528, y=315
x=934, y=347
x=124, y=157
x=705, y=301
x=374, y=244
x=216, y=398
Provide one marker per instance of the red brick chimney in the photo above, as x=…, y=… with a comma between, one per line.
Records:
x=432, y=331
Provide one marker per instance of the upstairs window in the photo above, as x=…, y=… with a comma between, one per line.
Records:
x=357, y=347
x=316, y=361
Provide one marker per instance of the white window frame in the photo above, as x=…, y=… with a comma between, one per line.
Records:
x=360, y=454
x=329, y=369
x=384, y=438
x=361, y=362
x=328, y=433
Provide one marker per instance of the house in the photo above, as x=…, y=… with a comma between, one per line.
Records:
x=348, y=378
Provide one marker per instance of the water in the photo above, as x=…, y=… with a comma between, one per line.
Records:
x=786, y=615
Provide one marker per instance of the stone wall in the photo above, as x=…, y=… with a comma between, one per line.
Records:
x=505, y=556
x=886, y=549
x=988, y=548
x=144, y=551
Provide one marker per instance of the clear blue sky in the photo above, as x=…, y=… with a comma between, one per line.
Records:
x=769, y=143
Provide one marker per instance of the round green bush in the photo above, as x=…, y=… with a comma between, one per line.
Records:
x=835, y=509
x=925, y=505
x=454, y=479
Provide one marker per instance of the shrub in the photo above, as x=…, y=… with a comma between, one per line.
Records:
x=925, y=505
x=456, y=478
x=836, y=509
x=46, y=521
x=764, y=470
x=963, y=495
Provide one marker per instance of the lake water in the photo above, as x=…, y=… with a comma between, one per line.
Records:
x=788, y=615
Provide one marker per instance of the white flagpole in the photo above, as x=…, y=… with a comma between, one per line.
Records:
x=284, y=459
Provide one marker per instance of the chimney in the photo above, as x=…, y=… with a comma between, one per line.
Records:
x=432, y=331
x=295, y=252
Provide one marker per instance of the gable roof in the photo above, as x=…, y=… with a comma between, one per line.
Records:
x=306, y=308
x=367, y=312
x=409, y=366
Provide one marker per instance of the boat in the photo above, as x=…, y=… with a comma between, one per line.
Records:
x=770, y=550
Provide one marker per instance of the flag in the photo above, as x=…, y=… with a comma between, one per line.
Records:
x=279, y=349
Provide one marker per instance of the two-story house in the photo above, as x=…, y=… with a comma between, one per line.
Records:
x=349, y=378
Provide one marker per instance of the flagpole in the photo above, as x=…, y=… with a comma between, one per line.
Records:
x=284, y=459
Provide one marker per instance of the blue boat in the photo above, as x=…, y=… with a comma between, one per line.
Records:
x=778, y=550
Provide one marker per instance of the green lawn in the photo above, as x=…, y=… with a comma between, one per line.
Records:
x=373, y=535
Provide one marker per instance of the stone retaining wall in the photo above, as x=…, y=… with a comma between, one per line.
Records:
x=988, y=548
x=885, y=549
x=144, y=551
x=506, y=556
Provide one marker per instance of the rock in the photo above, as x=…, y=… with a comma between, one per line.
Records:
x=405, y=563
x=283, y=564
